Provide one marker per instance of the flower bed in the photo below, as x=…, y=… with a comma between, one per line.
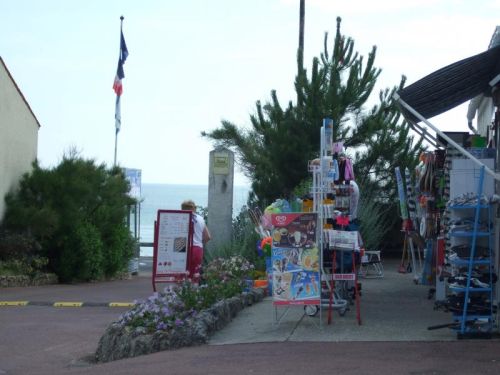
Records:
x=121, y=341
x=181, y=316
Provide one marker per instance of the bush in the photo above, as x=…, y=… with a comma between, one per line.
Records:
x=120, y=249
x=375, y=223
x=83, y=258
x=20, y=255
x=76, y=212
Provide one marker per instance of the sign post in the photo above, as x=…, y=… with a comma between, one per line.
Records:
x=173, y=240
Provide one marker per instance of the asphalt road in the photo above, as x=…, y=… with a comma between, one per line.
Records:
x=50, y=340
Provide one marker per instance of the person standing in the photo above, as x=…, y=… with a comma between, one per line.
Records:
x=201, y=235
x=353, y=201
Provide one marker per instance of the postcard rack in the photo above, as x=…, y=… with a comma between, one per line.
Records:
x=331, y=202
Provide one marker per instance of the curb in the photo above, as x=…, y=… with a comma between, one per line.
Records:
x=66, y=304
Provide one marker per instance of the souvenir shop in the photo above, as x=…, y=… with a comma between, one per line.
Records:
x=449, y=204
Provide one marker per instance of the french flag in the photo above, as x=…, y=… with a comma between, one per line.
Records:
x=117, y=85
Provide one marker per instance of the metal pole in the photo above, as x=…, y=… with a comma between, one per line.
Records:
x=116, y=142
x=496, y=176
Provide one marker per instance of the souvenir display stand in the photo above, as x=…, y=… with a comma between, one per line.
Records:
x=339, y=247
x=314, y=254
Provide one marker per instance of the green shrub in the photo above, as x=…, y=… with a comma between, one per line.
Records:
x=374, y=221
x=77, y=212
x=82, y=259
x=15, y=245
x=119, y=250
x=20, y=255
x=31, y=267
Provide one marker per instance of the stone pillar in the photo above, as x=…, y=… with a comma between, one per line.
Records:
x=220, y=197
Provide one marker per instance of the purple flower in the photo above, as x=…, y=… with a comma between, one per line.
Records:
x=161, y=326
x=165, y=310
x=179, y=322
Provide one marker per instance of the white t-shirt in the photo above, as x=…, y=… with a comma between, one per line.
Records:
x=353, y=203
x=198, y=227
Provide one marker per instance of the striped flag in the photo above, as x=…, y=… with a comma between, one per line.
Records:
x=117, y=85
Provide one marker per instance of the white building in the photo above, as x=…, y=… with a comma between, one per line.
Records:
x=18, y=135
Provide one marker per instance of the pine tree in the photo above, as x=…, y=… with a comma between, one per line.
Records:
x=274, y=153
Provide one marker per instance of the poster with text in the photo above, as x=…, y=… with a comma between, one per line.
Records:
x=294, y=230
x=295, y=259
x=133, y=176
x=172, y=242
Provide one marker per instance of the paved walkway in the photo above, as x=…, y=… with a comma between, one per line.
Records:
x=393, y=337
x=393, y=308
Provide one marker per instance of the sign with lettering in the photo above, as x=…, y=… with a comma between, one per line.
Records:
x=221, y=163
x=172, y=245
x=295, y=259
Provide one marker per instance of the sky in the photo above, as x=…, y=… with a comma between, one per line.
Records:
x=194, y=63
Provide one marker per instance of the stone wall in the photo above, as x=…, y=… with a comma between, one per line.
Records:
x=122, y=342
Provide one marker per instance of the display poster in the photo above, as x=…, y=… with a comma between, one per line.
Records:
x=295, y=259
x=172, y=242
x=134, y=178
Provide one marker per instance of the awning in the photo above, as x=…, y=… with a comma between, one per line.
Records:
x=452, y=85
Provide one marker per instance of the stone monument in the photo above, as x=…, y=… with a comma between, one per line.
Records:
x=220, y=197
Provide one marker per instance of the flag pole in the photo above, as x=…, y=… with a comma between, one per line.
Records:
x=118, y=98
x=116, y=143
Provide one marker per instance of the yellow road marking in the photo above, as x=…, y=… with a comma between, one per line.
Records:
x=13, y=303
x=68, y=304
x=121, y=304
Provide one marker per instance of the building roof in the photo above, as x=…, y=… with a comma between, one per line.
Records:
x=19, y=91
x=452, y=85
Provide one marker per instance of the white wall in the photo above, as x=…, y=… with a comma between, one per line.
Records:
x=18, y=136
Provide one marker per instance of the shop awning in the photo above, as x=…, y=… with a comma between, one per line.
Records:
x=452, y=85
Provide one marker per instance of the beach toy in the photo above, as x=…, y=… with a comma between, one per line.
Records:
x=260, y=283
x=259, y=248
x=274, y=208
x=265, y=245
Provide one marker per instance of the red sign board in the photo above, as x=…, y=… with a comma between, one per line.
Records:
x=173, y=239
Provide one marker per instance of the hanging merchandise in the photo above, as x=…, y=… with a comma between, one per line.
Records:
x=338, y=147
x=427, y=178
x=407, y=227
x=412, y=205
x=340, y=255
x=402, y=198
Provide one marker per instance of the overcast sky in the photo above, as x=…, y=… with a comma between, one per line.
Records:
x=193, y=63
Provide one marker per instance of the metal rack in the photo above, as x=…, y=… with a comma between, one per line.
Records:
x=473, y=320
x=333, y=295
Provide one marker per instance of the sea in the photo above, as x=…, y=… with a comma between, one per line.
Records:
x=156, y=197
